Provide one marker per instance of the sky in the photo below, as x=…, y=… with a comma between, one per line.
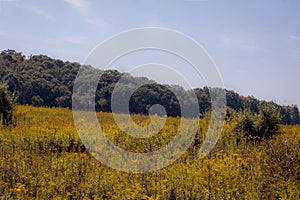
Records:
x=254, y=44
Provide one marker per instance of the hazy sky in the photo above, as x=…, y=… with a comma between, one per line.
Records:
x=255, y=44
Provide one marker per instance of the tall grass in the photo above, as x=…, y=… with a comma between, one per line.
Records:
x=42, y=157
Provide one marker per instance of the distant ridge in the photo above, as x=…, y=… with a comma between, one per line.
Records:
x=43, y=81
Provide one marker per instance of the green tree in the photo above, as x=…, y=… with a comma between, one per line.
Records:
x=246, y=124
x=259, y=126
x=268, y=121
x=7, y=104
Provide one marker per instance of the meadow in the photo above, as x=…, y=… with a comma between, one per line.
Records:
x=42, y=157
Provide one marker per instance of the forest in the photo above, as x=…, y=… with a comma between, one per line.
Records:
x=39, y=80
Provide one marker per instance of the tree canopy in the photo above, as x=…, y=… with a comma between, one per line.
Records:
x=43, y=81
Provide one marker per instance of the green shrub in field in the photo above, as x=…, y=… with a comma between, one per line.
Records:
x=258, y=126
x=268, y=121
x=7, y=103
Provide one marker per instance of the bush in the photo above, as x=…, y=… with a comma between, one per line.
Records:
x=259, y=126
x=268, y=121
x=7, y=104
x=246, y=124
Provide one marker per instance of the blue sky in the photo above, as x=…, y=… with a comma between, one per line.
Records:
x=255, y=44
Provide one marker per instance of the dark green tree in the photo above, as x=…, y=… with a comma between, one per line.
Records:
x=246, y=124
x=7, y=104
x=268, y=121
x=259, y=126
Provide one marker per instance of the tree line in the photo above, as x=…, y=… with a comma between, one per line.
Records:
x=43, y=81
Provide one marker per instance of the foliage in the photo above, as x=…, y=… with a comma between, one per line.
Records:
x=42, y=81
x=268, y=121
x=42, y=157
x=7, y=104
x=282, y=165
x=259, y=126
x=246, y=124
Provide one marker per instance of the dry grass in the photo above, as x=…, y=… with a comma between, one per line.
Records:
x=42, y=157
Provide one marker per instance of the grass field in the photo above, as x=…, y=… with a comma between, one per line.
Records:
x=42, y=157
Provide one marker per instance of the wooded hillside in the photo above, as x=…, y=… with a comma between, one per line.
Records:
x=43, y=81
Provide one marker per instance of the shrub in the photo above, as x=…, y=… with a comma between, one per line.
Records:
x=268, y=121
x=7, y=103
x=259, y=126
x=246, y=124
